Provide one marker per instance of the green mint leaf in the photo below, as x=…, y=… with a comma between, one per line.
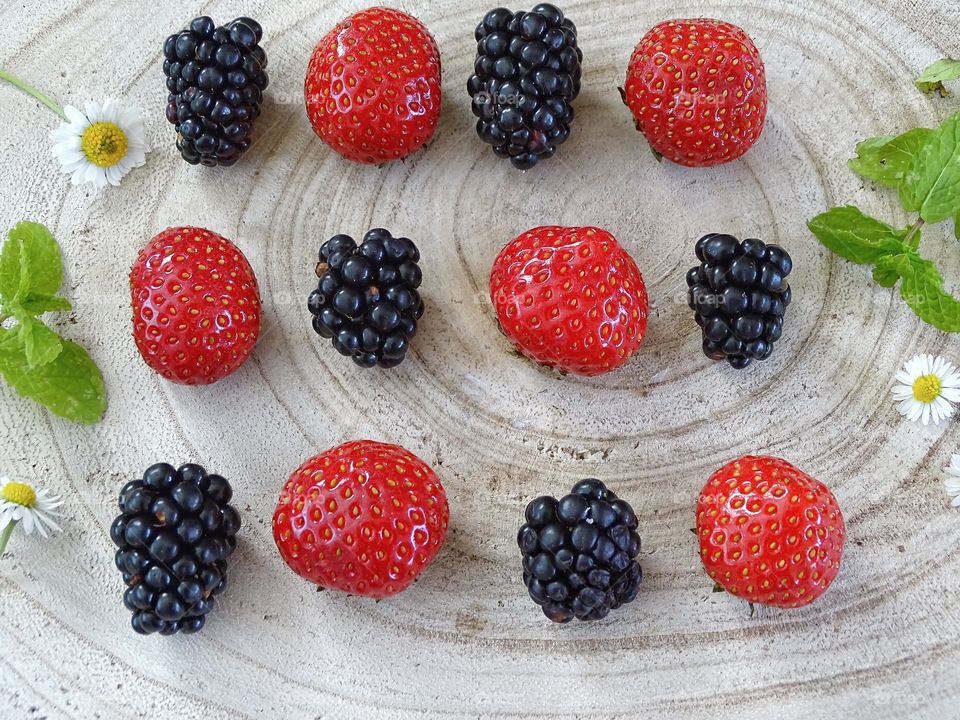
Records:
x=956, y=226
x=934, y=76
x=30, y=265
x=886, y=273
x=932, y=185
x=70, y=386
x=922, y=290
x=41, y=344
x=887, y=160
x=898, y=155
x=45, y=305
x=868, y=162
x=10, y=269
x=857, y=237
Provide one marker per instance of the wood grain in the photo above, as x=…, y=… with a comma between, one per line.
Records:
x=465, y=641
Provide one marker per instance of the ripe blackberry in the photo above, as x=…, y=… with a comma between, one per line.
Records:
x=526, y=75
x=216, y=78
x=740, y=294
x=367, y=300
x=175, y=531
x=579, y=553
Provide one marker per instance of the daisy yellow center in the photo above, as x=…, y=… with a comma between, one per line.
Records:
x=104, y=144
x=19, y=493
x=926, y=388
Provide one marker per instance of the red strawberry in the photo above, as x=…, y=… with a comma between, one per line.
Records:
x=364, y=517
x=373, y=86
x=570, y=298
x=196, y=306
x=769, y=533
x=698, y=91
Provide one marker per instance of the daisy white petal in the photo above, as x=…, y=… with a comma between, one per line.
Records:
x=75, y=116
x=902, y=392
x=942, y=408
x=63, y=134
x=26, y=520
x=950, y=394
x=951, y=481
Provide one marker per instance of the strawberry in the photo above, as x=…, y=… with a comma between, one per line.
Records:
x=570, y=298
x=769, y=533
x=698, y=91
x=364, y=518
x=196, y=306
x=373, y=86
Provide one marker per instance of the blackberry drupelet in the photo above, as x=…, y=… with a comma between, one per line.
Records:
x=216, y=77
x=739, y=293
x=579, y=553
x=526, y=75
x=367, y=300
x=175, y=531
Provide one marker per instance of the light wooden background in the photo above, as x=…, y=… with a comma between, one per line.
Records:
x=465, y=641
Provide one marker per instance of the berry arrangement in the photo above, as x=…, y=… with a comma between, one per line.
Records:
x=216, y=77
x=367, y=518
x=739, y=293
x=175, y=531
x=579, y=553
x=367, y=300
x=526, y=76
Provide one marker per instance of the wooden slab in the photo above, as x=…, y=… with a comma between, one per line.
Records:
x=466, y=642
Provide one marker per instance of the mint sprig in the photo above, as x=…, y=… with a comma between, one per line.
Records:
x=924, y=165
x=34, y=360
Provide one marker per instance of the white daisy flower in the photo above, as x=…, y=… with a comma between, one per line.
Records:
x=20, y=503
x=927, y=390
x=952, y=481
x=101, y=144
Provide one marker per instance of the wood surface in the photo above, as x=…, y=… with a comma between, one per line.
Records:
x=465, y=641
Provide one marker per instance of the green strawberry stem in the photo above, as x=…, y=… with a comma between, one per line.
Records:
x=913, y=237
x=32, y=92
x=5, y=536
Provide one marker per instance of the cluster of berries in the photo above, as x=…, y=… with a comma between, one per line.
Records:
x=197, y=316
x=527, y=73
x=366, y=518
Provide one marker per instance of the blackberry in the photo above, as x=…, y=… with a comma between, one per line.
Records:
x=216, y=77
x=579, y=553
x=526, y=75
x=367, y=300
x=175, y=531
x=740, y=294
